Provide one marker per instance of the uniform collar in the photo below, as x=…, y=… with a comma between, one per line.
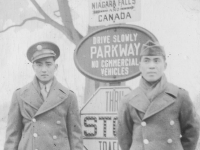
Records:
x=31, y=95
x=48, y=86
x=172, y=90
x=138, y=100
x=38, y=87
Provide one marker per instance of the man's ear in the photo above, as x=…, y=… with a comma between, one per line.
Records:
x=56, y=66
x=165, y=65
x=33, y=66
x=139, y=64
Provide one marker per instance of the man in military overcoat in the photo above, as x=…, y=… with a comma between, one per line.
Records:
x=44, y=114
x=157, y=115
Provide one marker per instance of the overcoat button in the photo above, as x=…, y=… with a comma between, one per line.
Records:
x=34, y=120
x=171, y=122
x=58, y=122
x=169, y=141
x=146, y=141
x=35, y=135
x=143, y=124
x=54, y=137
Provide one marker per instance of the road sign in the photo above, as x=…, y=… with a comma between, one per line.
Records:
x=99, y=118
x=105, y=12
x=111, y=54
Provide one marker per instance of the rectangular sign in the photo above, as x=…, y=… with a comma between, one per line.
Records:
x=105, y=12
x=101, y=144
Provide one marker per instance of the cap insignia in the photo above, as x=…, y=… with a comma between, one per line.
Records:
x=39, y=47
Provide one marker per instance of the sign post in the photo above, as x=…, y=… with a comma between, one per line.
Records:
x=99, y=118
x=109, y=55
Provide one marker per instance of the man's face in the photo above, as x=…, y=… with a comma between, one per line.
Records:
x=44, y=69
x=152, y=67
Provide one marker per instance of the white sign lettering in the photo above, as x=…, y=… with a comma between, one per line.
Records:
x=104, y=12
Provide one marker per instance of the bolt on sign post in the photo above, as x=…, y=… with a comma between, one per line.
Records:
x=111, y=54
x=107, y=12
x=99, y=118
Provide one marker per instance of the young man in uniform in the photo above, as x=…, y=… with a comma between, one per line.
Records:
x=44, y=114
x=157, y=115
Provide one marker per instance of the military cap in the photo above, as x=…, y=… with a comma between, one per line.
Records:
x=152, y=49
x=41, y=50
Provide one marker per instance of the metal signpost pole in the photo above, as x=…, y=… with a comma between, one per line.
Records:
x=109, y=55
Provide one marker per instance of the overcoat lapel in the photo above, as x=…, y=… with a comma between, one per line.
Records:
x=158, y=105
x=31, y=95
x=162, y=101
x=55, y=98
x=139, y=101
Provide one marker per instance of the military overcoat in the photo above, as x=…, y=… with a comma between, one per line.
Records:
x=169, y=122
x=34, y=124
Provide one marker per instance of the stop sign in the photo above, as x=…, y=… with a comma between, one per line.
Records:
x=99, y=118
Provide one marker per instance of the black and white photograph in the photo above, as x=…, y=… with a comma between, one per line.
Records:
x=100, y=75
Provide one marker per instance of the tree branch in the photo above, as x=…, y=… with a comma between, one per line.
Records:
x=66, y=16
x=54, y=23
x=56, y=14
x=37, y=6
x=68, y=29
x=21, y=24
x=47, y=18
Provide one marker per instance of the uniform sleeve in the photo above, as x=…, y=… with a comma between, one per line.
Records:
x=189, y=122
x=74, y=125
x=14, y=125
x=125, y=127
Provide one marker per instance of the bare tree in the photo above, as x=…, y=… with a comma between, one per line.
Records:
x=67, y=28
